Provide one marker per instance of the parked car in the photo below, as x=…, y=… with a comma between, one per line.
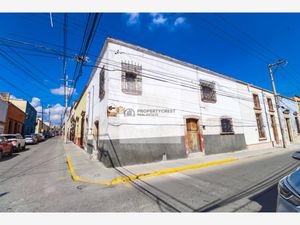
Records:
x=42, y=137
x=17, y=141
x=39, y=137
x=288, y=199
x=35, y=136
x=47, y=135
x=6, y=148
x=30, y=139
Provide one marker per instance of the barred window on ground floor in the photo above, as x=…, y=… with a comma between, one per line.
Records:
x=227, y=126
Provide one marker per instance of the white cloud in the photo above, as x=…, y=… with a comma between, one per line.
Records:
x=159, y=19
x=168, y=21
x=56, y=111
x=179, y=21
x=60, y=90
x=38, y=108
x=12, y=97
x=35, y=102
x=133, y=18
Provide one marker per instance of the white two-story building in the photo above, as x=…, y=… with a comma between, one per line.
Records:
x=143, y=106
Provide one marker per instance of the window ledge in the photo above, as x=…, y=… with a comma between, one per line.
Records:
x=132, y=92
x=262, y=139
x=208, y=101
x=227, y=133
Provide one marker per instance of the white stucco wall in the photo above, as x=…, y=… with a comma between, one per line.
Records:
x=158, y=95
x=234, y=100
x=96, y=109
x=249, y=119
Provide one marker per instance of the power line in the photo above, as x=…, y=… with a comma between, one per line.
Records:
x=92, y=33
x=259, y=44
x=29, y=63
x=22, y=68
x=249, y=36
x=17, y=88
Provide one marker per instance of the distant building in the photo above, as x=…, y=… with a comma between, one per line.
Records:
x=78, y=120
x=41, y=127
x=289, y=115
x=30, y=119
x=14, y=120
x=70, y=123
x=3, y=113
x=297, y=99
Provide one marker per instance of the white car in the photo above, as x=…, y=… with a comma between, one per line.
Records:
x=17, y=141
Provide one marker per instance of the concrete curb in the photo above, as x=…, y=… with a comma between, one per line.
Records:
x=120, y=180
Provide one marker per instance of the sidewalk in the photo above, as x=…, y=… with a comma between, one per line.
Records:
x=93, y=171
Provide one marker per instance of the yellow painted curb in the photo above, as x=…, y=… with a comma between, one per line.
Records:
x=144, y=175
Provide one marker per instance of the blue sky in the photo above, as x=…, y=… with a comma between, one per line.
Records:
x=239, y=45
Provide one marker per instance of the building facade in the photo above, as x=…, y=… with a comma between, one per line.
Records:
x=289, y=114
x=14, y=120
x=79, y=120
x=3, y=113
x=30, y=119
x=142, y=106
x=41, y=127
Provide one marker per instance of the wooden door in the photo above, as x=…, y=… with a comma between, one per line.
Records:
x=297, y=124
x=82, y=131
x=274, y=127
x=193, y=139
x=289, y=129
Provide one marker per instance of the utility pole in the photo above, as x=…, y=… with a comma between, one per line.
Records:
x=270, y=66
x=42, y=120
x=49, y=107
x=65, y=75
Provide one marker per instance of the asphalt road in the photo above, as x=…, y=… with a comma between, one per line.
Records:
x=38, y=180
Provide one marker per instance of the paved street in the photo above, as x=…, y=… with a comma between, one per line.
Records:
x=38, y=180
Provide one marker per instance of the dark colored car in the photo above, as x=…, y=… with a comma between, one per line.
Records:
x=6, y=148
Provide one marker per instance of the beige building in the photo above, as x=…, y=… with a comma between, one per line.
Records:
x=75, y=124
x=41, y=127
x=79, y=117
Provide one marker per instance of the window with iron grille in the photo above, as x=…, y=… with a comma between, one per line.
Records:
x=208, y=91
x=131, y=79
x=102, y=84
x=260, y=125
x=270, y=104
x=256, y=101
x=227, y=127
